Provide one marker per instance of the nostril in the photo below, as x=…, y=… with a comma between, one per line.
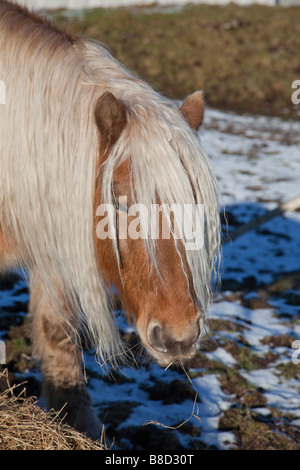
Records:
x=163, y=340
x=155, y=338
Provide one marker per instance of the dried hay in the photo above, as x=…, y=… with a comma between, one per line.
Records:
x=25, y=426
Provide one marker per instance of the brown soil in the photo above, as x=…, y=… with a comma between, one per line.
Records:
x=230, y=52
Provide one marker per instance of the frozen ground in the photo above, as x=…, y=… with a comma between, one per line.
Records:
x=257, y=162
x=245, y=365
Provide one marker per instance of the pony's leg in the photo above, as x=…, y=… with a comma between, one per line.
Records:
x=54, y=341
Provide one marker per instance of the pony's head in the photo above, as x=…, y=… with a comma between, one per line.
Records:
x=150, y=156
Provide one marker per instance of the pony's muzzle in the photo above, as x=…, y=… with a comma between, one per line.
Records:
x=174, y=346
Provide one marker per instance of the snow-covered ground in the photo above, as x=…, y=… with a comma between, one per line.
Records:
x=257, y=163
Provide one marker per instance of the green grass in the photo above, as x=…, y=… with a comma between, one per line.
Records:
x=244, y=58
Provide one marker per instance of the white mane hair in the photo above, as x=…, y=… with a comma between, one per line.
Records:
x=49, y=147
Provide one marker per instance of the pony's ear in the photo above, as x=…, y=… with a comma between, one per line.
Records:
x=110, y=118
x=192, y=109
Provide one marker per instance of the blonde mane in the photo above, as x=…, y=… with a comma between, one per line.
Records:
x=49, y=146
